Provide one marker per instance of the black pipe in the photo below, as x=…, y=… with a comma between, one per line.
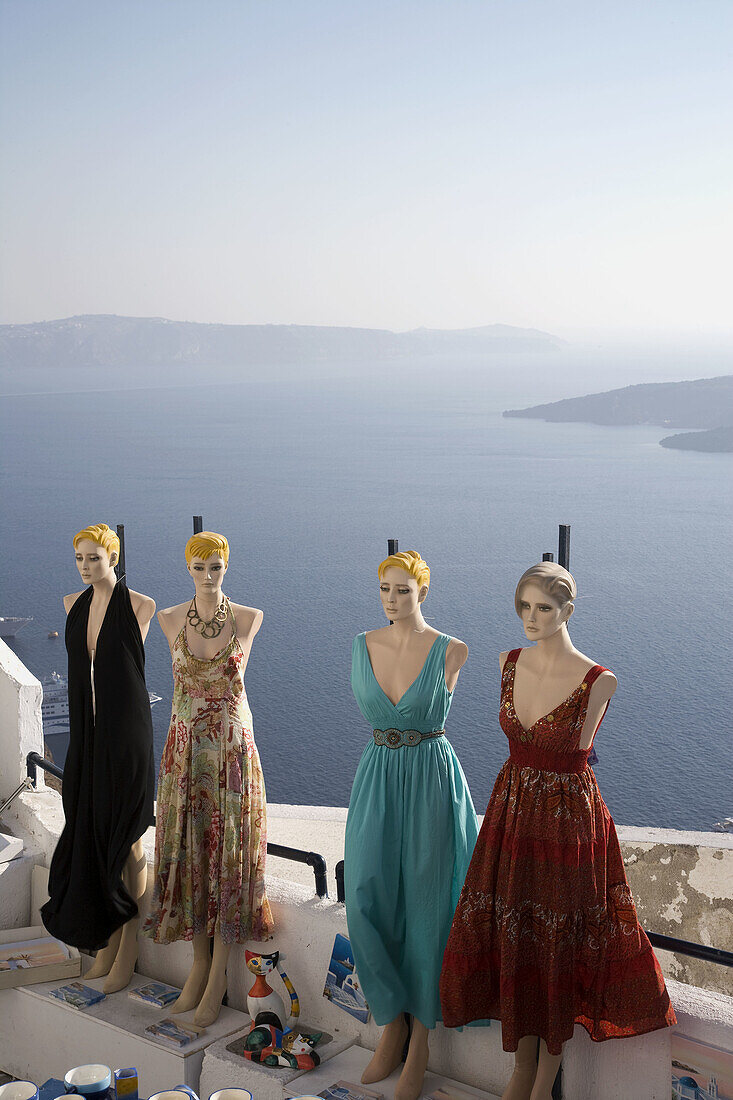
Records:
x=313, y=860
x=548, y=557
x=198, y=524
x=392, y=547
x=340, y=889
x=693, y=950
x=34, y=760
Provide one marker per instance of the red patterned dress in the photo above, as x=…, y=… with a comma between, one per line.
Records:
x=545, y=935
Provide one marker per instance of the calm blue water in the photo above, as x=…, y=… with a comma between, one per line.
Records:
x=309, y=478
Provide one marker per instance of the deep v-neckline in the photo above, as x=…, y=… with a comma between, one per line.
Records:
x=409, y=689
x=91, y=656
x=528, y=729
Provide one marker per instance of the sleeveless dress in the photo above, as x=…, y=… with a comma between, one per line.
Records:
x=546, y=934
x=211, y=835
x=108, y=782
x=410, y=832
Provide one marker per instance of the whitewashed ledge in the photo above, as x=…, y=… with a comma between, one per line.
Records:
x=682, y=882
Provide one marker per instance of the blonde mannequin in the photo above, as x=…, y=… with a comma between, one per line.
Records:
x=411, y=824
x=212, y=744
x=110, y=725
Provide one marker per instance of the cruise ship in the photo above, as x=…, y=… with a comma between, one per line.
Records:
x=11, y=624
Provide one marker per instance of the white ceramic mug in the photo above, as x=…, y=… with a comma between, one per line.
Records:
x=231, y=1094
x=89, y=1079
x=171, y=1094
x=19, y=1090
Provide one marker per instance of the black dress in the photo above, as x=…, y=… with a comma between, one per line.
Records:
x=108, y=783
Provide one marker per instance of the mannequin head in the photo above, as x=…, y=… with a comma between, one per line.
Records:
x=404, y=580
x=97, y=551
x=207, y=558
x=544, y=600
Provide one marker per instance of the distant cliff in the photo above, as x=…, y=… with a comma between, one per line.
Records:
x=115, y=342
x=706, y=403
x=719, y=440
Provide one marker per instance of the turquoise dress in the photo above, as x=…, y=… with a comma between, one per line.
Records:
x=410, y=834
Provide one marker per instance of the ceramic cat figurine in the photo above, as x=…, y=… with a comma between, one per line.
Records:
x=270, y=1047
x=263, y=1003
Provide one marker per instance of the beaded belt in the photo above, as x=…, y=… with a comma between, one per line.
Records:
x=397, y=739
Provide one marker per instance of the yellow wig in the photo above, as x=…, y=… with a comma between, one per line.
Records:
x=205, y=544
x=411, y=562
x=101, y=535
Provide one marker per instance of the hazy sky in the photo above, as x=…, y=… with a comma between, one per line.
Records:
x=564, y=165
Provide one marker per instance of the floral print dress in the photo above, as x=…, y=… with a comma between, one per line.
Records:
x=211, y=833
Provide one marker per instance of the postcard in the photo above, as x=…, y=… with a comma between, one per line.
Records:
x=342, y=982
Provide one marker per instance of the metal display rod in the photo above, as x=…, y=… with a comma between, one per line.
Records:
x=563, y=549
x=120, y=567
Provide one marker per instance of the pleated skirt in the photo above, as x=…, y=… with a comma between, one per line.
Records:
x=410, y=833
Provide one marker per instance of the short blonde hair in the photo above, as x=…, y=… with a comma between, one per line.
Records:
x=554, y=581
x=411, y=562
x=205, y=544
x=101, y=535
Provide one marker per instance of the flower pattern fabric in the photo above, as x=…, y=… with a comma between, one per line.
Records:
x=211, y=833
x=545, y=934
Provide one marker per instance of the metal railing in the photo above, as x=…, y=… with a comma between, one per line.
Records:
x=34, y=760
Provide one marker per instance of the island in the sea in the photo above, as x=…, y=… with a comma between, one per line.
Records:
x=705, y=404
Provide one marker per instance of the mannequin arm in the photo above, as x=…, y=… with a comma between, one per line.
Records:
x=502, y=660
x=69, y=601
x=600, y=695
x=144, y=609
x=171, y=621
x=248, y=621
x=456, y=656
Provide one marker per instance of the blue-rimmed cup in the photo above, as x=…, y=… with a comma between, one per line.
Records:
x=231, y=1094
x=180, y=1092
x=90, y=1080
x=19, y=1090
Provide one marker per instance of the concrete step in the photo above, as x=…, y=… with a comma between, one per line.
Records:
x=341, y=1060
x=224, y=1069
x=350, y=1065
x=15, y=892
x=42, y=1037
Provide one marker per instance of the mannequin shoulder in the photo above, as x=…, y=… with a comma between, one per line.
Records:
x=173, y=616
x=69, y=601
x=456, y=655
x=142, y=606
x=503, y=659
x=604, y=687
x=376, y=639
x=248, y=619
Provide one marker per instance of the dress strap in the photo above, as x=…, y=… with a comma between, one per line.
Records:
x=513, y=656
x=590, y=678
x=593, y=674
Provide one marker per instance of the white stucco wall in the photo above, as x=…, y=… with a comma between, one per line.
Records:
x=21, y=730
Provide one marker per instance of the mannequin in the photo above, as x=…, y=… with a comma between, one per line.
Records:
x=211, y=841
x=545, y=934
x=98, y=872
x=411, y=826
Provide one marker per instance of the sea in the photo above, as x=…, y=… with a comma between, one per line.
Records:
x=309, y=469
